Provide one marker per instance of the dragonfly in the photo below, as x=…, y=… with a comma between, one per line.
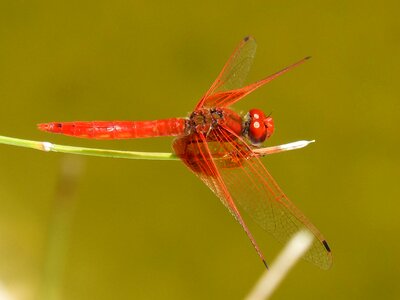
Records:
x=222, y=148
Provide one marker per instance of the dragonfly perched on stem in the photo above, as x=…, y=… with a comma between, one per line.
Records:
x=222, y=148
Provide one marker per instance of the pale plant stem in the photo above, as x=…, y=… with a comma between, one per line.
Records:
x=270, y=280
x=60, y=227
x=50, y=147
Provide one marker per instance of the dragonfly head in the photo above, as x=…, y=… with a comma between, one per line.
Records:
x=258, y=127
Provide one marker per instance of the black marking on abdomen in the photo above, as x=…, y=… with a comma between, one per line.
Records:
x=326, y=246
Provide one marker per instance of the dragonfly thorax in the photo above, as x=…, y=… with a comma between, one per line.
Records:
x=205, y=120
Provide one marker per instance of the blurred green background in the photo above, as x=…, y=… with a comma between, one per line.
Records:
x=152, y=230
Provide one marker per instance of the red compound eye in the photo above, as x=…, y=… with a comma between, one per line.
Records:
x=259, y=126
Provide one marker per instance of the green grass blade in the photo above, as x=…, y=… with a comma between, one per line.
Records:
x=50, y=147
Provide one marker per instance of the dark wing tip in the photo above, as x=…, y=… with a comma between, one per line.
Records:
x=247, y=38
x=307, y=57
x=265, y=264
x=325, y=243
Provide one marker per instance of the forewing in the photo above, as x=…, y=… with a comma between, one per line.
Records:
x=233, y=73
x=251, y=185
x=228, y=87
x=227, y=98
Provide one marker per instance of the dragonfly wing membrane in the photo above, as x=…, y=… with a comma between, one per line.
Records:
x=196, y=154
x=228, y=87
x=227, y=98
x=254, y=189
x=233, y=73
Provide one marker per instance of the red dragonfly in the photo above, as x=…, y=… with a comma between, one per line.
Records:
x=220, y=147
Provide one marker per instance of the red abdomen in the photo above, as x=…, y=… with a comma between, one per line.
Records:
x=105, y=130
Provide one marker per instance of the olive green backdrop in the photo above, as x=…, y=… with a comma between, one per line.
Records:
x=151, y=230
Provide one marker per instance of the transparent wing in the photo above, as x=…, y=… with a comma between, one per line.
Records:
x=234, y=72
x=227, y=165
x=228, y=87
x=195, y=153
x=227, y=98
x=251, y=185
